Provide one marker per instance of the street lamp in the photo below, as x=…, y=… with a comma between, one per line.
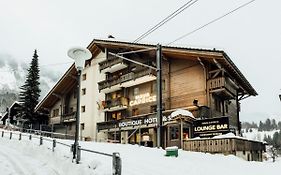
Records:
x=79, y=55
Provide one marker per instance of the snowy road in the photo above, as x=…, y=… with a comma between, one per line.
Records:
x=15, y=162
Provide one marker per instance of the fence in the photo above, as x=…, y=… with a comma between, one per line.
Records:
x=116, y=159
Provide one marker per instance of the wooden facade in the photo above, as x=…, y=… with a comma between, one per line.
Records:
x=246, y=149
x=204, y=81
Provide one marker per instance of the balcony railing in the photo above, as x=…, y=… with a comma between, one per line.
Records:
x=55, y=120
x=113, y=62
x=116, y=104
x=125, y=78
x=222, y=84
x=69, y=117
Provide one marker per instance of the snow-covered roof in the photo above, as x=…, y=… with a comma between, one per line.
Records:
x=182, y=112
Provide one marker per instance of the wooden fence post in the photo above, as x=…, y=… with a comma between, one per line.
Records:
x=116, y=163
x=54, y=145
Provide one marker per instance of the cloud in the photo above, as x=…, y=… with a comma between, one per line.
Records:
x=50, y=73
x=2, y=61
x=12, y=63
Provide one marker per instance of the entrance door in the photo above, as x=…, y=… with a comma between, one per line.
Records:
x=177, y=133
x=173, y=135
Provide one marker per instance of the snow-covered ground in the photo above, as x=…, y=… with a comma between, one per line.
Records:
x=258, y=135
x=27, y=157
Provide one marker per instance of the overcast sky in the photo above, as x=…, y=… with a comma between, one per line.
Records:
x=251, y=36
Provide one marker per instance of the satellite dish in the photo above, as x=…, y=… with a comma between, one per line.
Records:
x=80, y=55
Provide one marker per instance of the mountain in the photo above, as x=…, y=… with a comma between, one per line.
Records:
x=12, y=77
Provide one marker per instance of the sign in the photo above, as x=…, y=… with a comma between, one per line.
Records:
x=143, y=98
x=211, y=127
x=151, y=119
x=142, y=121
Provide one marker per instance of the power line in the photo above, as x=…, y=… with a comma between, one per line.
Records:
x=214, y=20
x=165, y=20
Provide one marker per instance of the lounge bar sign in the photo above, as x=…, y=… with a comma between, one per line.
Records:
x=211, y=127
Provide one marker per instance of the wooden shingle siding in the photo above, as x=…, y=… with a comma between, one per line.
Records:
x=187, y=83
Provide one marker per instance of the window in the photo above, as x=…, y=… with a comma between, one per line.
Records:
x=70, y=127
x=135, y=111
x=55, y=112
x=217, y=104
x=71, y=110
x=83, y=91
x=174, y=132
x=154, y=86
x=83, y=108
x=116, y=115
x=226, y=107
x=153, y=108
x=136, y=91
x=119, y=115
x=82, y=126
x=84, y=77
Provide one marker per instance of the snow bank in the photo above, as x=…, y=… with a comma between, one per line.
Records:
x=136, y=160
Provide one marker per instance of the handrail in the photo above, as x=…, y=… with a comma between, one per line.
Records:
x=116, y=160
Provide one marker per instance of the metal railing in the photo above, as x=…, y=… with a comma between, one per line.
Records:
x=125, y=78
x=116, y=159
x=110, y=62
x=119, y=101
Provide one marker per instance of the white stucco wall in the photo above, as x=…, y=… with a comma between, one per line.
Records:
x=92, y=98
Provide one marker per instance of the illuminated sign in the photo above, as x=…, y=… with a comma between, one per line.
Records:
x=211, y=127
x=143, y=98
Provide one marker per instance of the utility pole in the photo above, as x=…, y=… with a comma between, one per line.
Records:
x=159, y=96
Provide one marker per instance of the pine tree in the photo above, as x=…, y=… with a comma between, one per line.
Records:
x=268, y=124
x=273, y=124
x=261, y=126
x=30, y=92
x=279, y=125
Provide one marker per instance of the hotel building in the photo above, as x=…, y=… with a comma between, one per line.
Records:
x=118, y=96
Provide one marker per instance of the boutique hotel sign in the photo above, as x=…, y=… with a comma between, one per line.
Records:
x=142, y=121
x=210, y=127
x=143, y=98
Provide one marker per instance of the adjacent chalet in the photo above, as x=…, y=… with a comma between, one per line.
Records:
x=202, y=90
x=11, y=116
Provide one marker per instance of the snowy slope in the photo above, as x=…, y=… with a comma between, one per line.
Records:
x=258, y=135
x=136, y=160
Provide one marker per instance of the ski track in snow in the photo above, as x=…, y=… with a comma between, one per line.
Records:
x=16, y=164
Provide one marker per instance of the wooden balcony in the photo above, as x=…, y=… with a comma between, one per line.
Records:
x=112, y=65
x=127, y=80
x=70, y=117
x=222, y=86
x=55, y=120
x=116, y=104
